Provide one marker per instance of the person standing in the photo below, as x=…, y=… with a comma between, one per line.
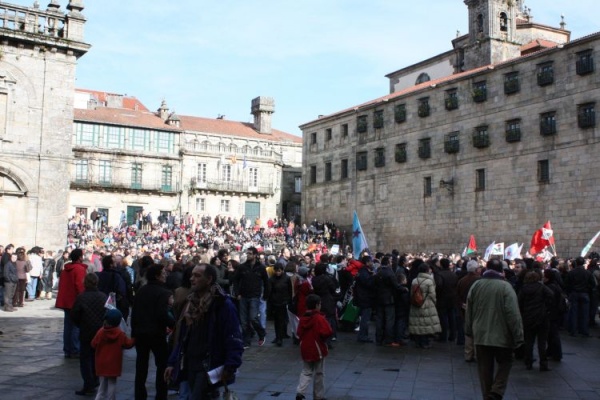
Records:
x=47, y=278
x=364, y=297
x=23, y=266
x=462, y=291
x=10, y=282
x=149, y=329
x=6, y=257
x=208, y=336
x=386, y=286
x=423, y=321
x=493, y=319
x=279, y=298
x=37, y=268
x=69, y=287
x=580, y=284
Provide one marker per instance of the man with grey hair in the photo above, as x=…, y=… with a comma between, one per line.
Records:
x=462, y=290
x=494, y=321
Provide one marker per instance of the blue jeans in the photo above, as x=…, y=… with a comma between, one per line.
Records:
x=249, y=318
x=2, y=296
x=384, y=324
x=32, y=287
x=70, y=336
x=579, y=313
x=263, y=313
x=185, y=392
x=365, y=320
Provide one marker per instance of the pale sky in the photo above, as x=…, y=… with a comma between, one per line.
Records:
x=313, y=57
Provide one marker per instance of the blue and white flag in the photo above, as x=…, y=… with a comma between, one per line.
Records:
x=589, y=245
x=488, y=251
x=244, y=163
x=359, y=242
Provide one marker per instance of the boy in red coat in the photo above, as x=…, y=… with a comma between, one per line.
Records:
x=109, y=343
x=313, y=331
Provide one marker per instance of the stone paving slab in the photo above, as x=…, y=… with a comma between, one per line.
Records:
x=32, y=367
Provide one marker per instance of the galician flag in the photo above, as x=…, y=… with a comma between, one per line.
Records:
x=589, y=245
x=512, y=252
x=359, y=242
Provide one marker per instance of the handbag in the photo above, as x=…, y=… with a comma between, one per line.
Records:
x=229, y=394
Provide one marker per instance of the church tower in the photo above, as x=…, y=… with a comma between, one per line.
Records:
x=492, y=32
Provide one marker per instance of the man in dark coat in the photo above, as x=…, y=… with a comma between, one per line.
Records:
x=150, y=319
x=385, y=285
x=110, y=280
x=580, y=283
x=364, y=295
x=324, y=285
x=446, y=301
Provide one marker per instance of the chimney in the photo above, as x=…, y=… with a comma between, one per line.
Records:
x=163, y=111
x=114, y=100
x=262, y=108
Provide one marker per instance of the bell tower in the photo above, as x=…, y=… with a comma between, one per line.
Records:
x=492, y=32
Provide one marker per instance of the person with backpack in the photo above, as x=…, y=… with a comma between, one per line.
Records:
x=423, y=321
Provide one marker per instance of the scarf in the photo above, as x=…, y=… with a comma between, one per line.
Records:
x=198, y=304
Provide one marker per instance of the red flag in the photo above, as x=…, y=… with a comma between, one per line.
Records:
x=541, y=238
x=472, y=247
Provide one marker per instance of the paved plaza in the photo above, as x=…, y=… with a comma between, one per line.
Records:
x=32, y=367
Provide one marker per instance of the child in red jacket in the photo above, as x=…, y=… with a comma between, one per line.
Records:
x=109, y=343
x=313, y=331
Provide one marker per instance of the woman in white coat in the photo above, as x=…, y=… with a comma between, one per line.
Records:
x=423, y=322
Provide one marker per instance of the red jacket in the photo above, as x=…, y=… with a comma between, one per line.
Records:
x=109, y=343
x=70, y=285
x=354, y=266
x=313, y=330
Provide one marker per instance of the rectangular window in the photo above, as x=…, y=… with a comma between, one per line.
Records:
x=451, y=143
x=136, y=176
x=104, y=172
x=164, y=142
x=425, y=148
x=201, y=177
x=380, y=157
x=378, y=119
x=400, y=153
x=451, y=100
x=298, y=184
x=585, y=62
x=586, y=115
x=87, y=134
x=313, y=138
x=114, y=137
x=139, y=139
x=200, y=204
x=328, y=171
x=479, y=91
x=81, y=170
x=361, y=123
x=224, y=206
x=226, y=173
x=344, y=169
x=328, y=134
x=545, y=74
x=344, y=130
x=361, y=161
x=513, y=130
x=480, y=179
x=548, y=123
x=511, y=82
x=400, y=113
x=423, y=107
x=481, y=138
x=166, y=178
x=543, y=171
x=427, y=186
x=253, y=177
x=313, y=174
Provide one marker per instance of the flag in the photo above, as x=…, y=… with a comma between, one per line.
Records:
x=589, y=245
x=359, y=242
x=512, y=252
x=542, y=238
x=472, y=247
x=244, y=163
x=488, y=251
x=498, y=249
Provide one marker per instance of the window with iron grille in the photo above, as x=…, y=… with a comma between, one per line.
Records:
x=427, y=186
x=380, y=157
x=105, y=168
x=328, y=134
x=481, y=138
x=548, y=123
x=344, y=169
x=424, y=110
x=361, y=124
x=545, y=74
x=425, y=148
x=586, y=115
x=361, y=161
x=378, y=119
x=451, y=143
x=479, y=91
x=511, y=82
x=400, y=153
x=480, y=179
x=344, y=130
x=313, y=174
x=328, y=171
x=513, y=130
x=585, y=62
x=400, y=113
x=313, y=138
x=543, y=171
x=451, y=100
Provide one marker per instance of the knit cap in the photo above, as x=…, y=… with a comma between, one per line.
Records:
x=113, y=317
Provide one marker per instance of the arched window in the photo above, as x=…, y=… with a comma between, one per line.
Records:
x=503, y=22
x=480, y=23
x=423, y=77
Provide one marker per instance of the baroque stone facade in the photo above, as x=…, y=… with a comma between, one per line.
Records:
x=495, y=150
x=38, y=58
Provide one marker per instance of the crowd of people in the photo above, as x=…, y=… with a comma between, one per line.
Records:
x=212, y=286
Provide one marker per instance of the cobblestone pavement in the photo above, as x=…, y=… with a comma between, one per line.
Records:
x=32, y=367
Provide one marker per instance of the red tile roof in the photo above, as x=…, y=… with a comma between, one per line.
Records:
x=129, y=102
x=537, y=44
x=123, y=117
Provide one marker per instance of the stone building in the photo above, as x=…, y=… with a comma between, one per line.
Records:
x=492, y=138
x=127, y=158
x=39, y=50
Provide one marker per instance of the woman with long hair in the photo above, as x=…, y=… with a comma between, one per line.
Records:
x=23, y=266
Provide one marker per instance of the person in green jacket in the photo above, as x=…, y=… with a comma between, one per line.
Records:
x=493, y=320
